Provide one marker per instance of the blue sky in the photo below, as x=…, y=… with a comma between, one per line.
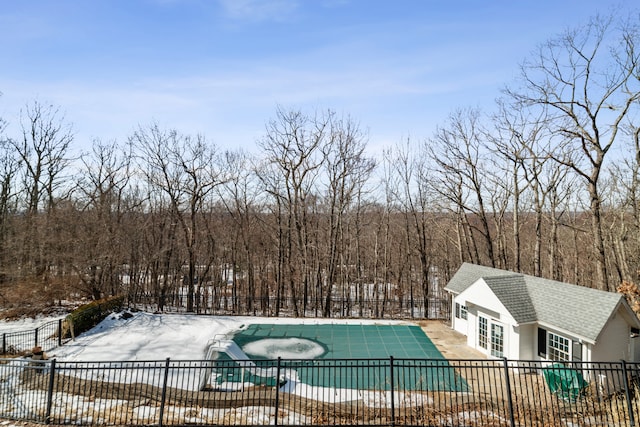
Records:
x=222, y=67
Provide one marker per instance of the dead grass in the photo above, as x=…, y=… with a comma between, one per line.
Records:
x=32, y=297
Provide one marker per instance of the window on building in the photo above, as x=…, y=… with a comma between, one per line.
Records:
x=461, y=311
x=542, y=342
x=482, y=332
x=559, y=347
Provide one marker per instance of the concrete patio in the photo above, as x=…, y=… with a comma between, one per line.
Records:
x=451, y=344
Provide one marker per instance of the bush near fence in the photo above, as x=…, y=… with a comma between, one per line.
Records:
x=54, y=333
x=406, y=392
x=89, y=315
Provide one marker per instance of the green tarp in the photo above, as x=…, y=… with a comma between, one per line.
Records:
x=567, y=383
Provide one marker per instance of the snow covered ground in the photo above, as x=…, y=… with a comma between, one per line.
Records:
x=147, y=336
x=140, y=336
x=130, y=337
x=26, y=324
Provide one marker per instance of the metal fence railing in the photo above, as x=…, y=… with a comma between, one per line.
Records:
x=339, y=307
x=354, y=392
x=47, y=336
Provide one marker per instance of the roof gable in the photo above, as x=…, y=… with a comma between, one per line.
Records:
x=479, y=294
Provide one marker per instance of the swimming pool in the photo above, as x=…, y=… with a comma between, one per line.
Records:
x=352, y=355
x=348, y=341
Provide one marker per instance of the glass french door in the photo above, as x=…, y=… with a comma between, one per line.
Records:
x=483, y=332
x=497, y=340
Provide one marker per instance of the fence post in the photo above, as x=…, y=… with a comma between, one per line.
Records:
x=163, y=397
x=509, y=397
x=59, y=332
x=36, y=338
x=52, y=374
x=393, y=385
x=627, y=392
x=4, y=343
x=275, y=419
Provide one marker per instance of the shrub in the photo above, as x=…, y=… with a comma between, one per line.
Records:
x=89, y=315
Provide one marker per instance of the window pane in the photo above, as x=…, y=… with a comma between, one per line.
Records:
x=482, y=332
x=497, y=340
x=558, y=347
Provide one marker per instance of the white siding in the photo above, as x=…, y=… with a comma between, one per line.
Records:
x=528, y=338
x=614, y=341
x=470, y=332
x=459, y=325
x=512, y=342
x=481, y=296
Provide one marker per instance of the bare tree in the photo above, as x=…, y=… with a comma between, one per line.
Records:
x=43, y=151
x=587, y=79
x=9, y=168
x=412, y=191
x=43, y=154
x=240, y=196
x=623, y=197
x=102, y=189
x=292, y=146
x=183, y=169
x=458, y=153
x=509, y=144
x=347, y=169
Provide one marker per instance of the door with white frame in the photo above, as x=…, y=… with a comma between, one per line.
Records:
x=490, y=335
x=497, y=340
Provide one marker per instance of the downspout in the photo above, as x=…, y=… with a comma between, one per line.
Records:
x=452, y=311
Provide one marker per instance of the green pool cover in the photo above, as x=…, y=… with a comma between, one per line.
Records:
x=568, y=384
x=358, y=356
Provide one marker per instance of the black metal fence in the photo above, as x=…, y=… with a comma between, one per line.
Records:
x=47, y=336
x=339, y=307
x=321, y=392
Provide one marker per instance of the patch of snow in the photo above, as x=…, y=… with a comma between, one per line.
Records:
x=26, y=324
x=286, y=348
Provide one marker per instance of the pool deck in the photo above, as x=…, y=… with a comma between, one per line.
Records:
x=452, y=344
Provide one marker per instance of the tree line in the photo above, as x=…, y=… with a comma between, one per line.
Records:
x=546, y=183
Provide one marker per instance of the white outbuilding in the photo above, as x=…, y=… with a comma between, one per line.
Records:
x=517, y=316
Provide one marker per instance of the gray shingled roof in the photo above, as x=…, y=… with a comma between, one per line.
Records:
x=470, y=273
x=533, y=299
x=510, y=291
